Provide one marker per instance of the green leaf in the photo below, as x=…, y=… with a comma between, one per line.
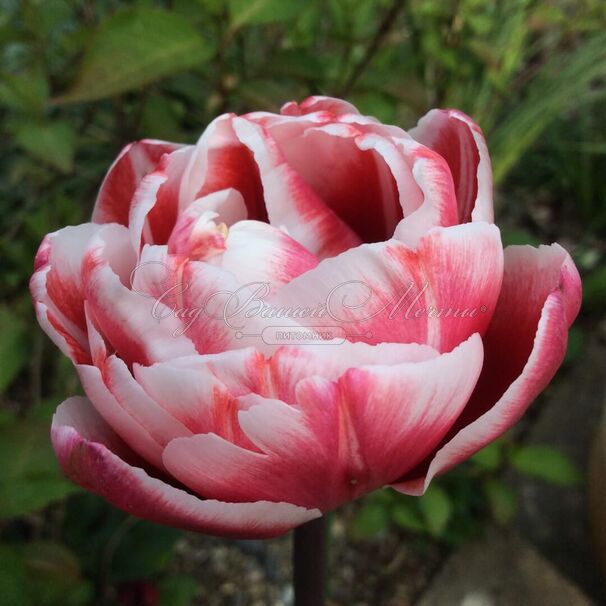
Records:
x=133, y=48
x=13, y=346
x=490, y=457
x=255, y=12
x=30, y=475
x=406, y=515
x=436, y=509
x=177, y=590
x=24, y=92
x=501, y=499
x=546, y=463
x=51, y=142
x=371, y=519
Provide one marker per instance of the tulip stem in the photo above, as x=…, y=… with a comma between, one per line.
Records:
x=309, y=563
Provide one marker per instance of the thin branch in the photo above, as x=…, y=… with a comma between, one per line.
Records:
x=385, y=26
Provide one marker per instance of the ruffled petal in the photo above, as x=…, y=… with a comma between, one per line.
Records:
x=94, y=457
x=459, y=140
x=524, y=346
x=134, y=162
x=290, y=202
x=438, y=294
x=344, y=438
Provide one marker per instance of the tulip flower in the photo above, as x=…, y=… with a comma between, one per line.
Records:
x=295, y=311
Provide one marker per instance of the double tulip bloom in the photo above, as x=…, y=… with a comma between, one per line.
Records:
x=297, y=310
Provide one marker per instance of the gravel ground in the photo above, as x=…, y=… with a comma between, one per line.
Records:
x=381, y=571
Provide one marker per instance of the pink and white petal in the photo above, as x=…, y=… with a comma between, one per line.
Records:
x=318, y=103
x=258, y=252
x=437, y=294
x=220, y=162
x=289, y=364
x=194, y=396
x=290, y=202
x=227, y=204
x=91, y=455
x=347, y=438
x=106, y=404
x=134, y=162
x=531, y=325
x=56, y=285
x=139, y=328
x=161, y=425
x=59, y=335
x=162, y=216
x=353, y=180
x=459, y=140
x=155, y=203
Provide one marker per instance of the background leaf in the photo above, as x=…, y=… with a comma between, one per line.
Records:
x=132, y=49
x=436, y=509
x=545, y=463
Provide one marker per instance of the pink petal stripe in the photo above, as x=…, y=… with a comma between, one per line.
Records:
x=118, y=188
x=219, y=162
x=539, y=300
x=290, y=202
x=438, y=294
x=459, y=140
x=347, y=437
x=88, y=453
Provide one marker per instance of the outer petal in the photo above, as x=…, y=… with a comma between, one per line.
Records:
x=438, y=294
x=139, y=328
x=134, y=162
x=57, y=288
x=459, y=140
x=525, y=344
x=344, y=439
x=92, y=456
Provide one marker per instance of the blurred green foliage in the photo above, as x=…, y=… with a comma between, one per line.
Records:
x=452, y=505
x=79, y=79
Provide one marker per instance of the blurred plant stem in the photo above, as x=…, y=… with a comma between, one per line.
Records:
x=385, y=26
x=309, y=563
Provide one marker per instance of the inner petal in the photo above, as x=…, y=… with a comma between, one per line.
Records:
x=356, y=184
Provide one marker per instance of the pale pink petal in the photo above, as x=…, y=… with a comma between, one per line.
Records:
x=160, y=424
x=344, y=439
x=106, y=404
x=525, y=344
x=290, y=202
x=258, y=252
x=135, y=161
x=459, y=140
x=438, y=294
x=93, y=457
